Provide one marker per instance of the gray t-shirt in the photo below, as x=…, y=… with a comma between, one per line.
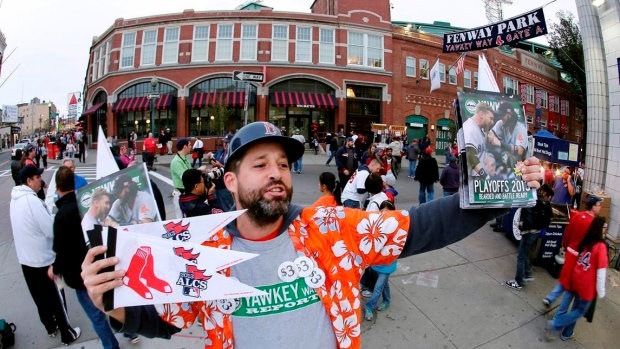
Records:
x=474, y=138
x=291, y=315
x=88, y=223
x=517, y=137
x=143, y=207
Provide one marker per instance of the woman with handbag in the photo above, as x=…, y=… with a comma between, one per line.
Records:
x=587, y=280
x=197, y=152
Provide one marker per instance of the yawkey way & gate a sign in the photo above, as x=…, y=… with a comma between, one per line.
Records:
x=522, y=27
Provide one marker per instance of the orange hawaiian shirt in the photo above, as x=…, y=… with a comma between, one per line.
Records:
x=343, y=242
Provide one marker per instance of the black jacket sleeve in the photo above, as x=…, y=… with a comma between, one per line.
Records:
x=430, y=230
x=145, y=321
x=338, y=155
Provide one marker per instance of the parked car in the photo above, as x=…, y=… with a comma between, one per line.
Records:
x=15, y=147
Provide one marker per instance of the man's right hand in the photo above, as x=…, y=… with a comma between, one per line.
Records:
x=97, y=284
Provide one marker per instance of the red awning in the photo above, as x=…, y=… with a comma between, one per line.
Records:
x=93, y=109
x=131, y=104
x=303, y=100
x=164, y=101
x=228, y=99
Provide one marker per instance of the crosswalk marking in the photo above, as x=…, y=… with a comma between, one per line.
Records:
x=5, y=173
x=88, y=172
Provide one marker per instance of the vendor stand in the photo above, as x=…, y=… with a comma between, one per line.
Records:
x=398, y=131
x=379, y=130
x=548, y=147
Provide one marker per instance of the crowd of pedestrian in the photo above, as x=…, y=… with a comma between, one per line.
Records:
x=251, y=171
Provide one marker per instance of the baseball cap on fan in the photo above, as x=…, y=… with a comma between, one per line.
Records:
x=258, y=132
x=505, y=108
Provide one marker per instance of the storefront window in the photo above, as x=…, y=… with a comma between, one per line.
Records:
x=140, y=121
x=215, y=119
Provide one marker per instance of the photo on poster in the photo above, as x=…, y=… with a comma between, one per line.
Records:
x=495, y=143
x=119, y=199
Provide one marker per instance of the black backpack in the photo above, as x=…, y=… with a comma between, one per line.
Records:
x=537, y=217
x=7, y=335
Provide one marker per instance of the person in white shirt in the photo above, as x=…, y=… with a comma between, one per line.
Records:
x=97, y=212
x=33, y=234
x=355, y=189
x=199, y=151
x=374, y=186
x=302, y=139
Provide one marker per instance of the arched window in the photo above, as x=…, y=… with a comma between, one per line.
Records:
x=99, y=117
x=216, y=106
x=133, y=109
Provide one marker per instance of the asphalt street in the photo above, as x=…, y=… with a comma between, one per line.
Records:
x=450, y=298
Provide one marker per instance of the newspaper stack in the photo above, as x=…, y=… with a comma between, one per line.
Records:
x=493, y=143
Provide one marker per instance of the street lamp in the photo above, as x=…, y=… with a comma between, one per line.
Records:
x=49, y=113
x=154, y=83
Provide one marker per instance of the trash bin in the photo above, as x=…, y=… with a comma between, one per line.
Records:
x=52, y=150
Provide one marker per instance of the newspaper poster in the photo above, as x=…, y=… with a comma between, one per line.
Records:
x=494, y=145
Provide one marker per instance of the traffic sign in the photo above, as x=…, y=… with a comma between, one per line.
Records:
x=153, y=95
x=248, y=76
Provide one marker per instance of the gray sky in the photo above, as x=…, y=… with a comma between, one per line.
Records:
x=53, y=37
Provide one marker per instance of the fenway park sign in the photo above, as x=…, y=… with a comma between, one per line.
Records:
x=522, y=27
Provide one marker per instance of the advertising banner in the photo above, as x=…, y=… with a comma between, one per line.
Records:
x=9, y=113
x=562, y=116
x=538, y=118
x=551, y=242
x=73, y=99
x=522, y=27
x=551, y=117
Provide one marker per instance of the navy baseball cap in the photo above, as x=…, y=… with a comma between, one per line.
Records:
x=28, y=172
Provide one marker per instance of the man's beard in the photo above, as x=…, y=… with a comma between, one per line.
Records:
x=261, y=211
x=102, y=213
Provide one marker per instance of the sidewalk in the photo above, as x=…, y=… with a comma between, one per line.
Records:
x=451, y=298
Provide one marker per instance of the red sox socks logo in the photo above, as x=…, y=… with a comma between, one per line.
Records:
x=187, y=254
x=141, y=272
x=193, y=281
x=177, y=231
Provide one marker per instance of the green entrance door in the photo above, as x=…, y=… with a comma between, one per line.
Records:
x=417, y=127
x=446, y=135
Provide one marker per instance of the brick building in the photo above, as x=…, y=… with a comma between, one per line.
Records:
x=343, y=65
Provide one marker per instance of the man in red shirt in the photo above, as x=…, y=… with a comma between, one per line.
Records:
x=149, y=147
x=579, y=223
x=574, y=233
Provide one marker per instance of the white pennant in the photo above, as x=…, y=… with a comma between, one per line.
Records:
x=195, y=229
x=106, y=165
x=155, y=274
x=486, y=80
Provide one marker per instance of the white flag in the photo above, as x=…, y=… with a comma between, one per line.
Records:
x=435, y=82
x=106, y=165
x=486, y=80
